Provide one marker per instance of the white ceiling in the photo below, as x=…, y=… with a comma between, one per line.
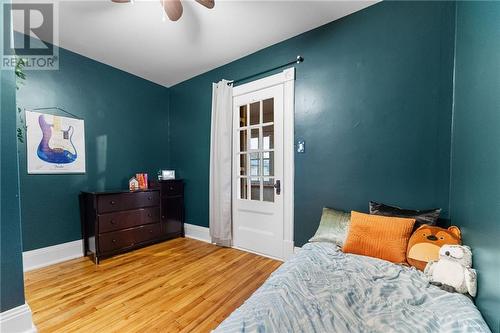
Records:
x=133, y=37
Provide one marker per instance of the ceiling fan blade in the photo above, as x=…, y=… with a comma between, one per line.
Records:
x=120, y=1
x=207, y=3
x=173, y=9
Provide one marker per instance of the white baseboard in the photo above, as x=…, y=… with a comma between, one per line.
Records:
x=52, y=255
x=197, y=232
x=58, y=253
x=17, y=320
x=203, y=234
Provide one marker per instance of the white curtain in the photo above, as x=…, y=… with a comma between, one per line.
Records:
x=220, y=164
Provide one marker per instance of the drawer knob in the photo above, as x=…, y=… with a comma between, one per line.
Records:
x=150, y=231
x=114, y=240
x=149, y=214
x=149, y=198
x=112, y=202
x=113, y=222
x=171, y=188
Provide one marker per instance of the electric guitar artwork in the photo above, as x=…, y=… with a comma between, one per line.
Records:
x=56, y=145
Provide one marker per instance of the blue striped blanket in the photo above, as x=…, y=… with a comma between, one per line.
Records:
x=321, y=289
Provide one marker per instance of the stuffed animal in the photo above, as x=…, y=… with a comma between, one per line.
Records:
x=453, y=270
x=425, y=242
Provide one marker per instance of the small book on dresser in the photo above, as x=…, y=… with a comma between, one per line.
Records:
x=115, y=222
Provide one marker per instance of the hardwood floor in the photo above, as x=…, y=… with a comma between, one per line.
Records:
x=182, y=285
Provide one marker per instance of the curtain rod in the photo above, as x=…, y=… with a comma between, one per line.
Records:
x=298, y=60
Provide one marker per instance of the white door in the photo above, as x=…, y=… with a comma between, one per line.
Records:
x=258, y=171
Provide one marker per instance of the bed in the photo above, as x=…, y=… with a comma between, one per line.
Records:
x=321, y=289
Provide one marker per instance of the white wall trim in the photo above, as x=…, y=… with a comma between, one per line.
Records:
x=50, y=255
x=17, y=320
x=288, y=249
x=203, y=234
x=62, y=252
x=266, y=82
x=288, y=159
x=197, y=232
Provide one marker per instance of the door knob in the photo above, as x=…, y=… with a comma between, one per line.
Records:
x=277, y=186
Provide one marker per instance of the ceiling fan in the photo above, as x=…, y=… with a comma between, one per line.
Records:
x=173, y=8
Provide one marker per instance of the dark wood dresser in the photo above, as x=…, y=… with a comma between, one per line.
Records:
x=119, y=221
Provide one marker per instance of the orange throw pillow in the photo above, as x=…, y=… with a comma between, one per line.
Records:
x=379, y=236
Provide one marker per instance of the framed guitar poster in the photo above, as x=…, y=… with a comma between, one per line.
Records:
x=54, y=144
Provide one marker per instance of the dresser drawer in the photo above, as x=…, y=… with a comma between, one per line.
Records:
x=172, y=188
x=147, y=199
x=109, y=203
x=147, y=233
x=117, y=240
x=124, y=201
x=127, y=219
x=151, y=215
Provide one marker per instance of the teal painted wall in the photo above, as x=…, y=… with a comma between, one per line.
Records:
x=126, y=131
x=475, y=181
x=11, y=265
x=373, y=103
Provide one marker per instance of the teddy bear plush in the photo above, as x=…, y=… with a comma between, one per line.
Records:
x=453, y=271
x=425, y=242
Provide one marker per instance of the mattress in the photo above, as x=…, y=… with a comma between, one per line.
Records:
x=321, y=289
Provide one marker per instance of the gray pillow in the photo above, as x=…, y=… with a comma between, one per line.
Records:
x=333, y=227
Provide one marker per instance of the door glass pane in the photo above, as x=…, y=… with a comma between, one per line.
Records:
x=255, y=188
x=255, y=113
x=268, y=110
x=243, y=164
x=268, y=191
x=268, y=137
x=256, y=160
x=243, y=116
x=268, y=163
x=254, y=138
x=243, y=188
x=243, y=140
x=255, y=164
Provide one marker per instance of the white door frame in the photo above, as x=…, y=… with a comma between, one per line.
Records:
x=287, y=79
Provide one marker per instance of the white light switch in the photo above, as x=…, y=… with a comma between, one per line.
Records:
x=301, y=146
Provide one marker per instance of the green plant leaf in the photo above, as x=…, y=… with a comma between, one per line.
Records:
x=20, y=135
